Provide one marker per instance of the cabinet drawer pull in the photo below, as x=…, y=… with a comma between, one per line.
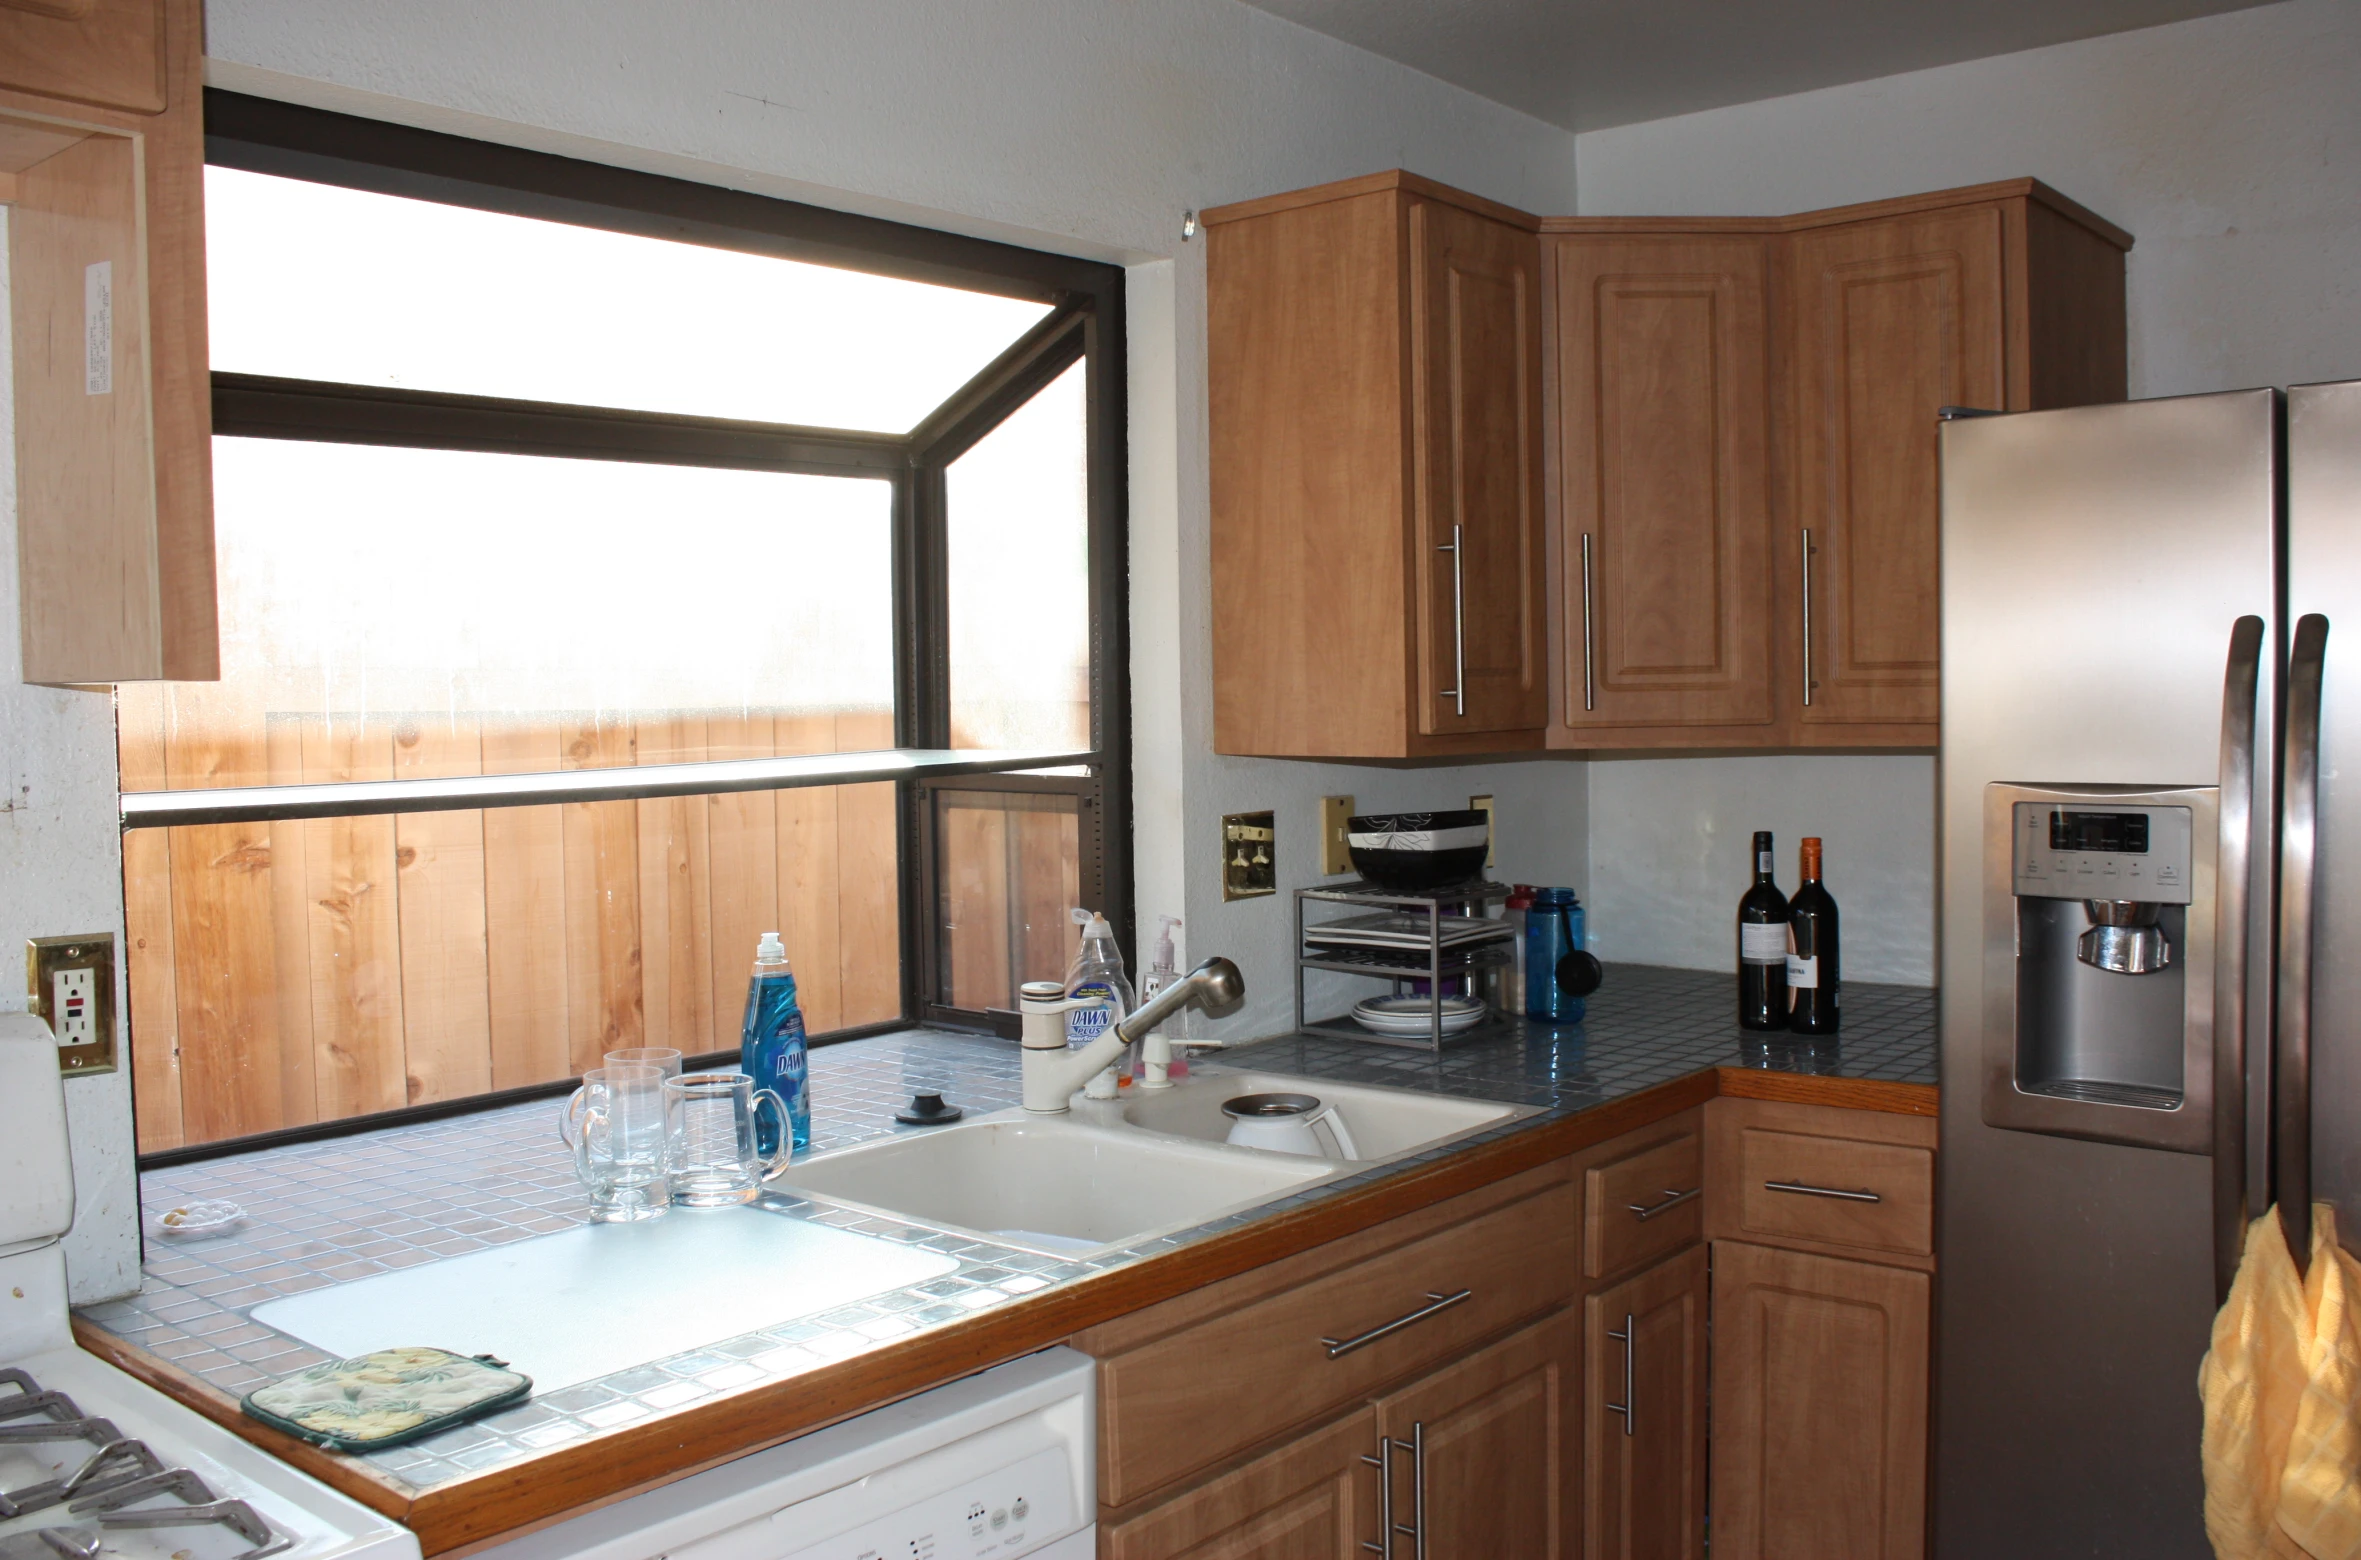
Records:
x=1383, y=1462
x=1629, y=1338
x=1806, y=1189
x=1646, y=1211
x=1338, y=1349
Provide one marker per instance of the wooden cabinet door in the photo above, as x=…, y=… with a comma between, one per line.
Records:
x=1314, y=1498
x=1663, y=413
x=1643, y=1414
x=1820, y=1407
x=108, y=52
x=1893, y=319
x=1476, y=461
x=1485, y=1451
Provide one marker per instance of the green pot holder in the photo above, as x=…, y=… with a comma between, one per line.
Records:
x=382, y=1399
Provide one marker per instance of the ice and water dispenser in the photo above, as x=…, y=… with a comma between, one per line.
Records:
x=2099, y=960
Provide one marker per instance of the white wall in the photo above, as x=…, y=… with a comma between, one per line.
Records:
x=61, y=874
x=2231, y=148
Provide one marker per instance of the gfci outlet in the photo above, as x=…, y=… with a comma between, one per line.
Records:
x=70, y=981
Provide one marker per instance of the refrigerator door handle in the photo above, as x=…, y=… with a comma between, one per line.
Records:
x=2234, y=863
x=2291, y=1040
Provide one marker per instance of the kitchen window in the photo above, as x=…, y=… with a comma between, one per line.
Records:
x=613, y=568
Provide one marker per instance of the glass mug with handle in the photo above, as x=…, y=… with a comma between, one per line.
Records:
x=569, y=1115
x=716, y=1159
x=623, y=1150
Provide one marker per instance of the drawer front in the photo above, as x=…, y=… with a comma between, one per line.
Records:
x=1196, y=1396
x=1644, y=1205
x=1877, y=1196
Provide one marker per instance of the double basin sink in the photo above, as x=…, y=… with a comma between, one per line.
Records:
x=1109, y=1173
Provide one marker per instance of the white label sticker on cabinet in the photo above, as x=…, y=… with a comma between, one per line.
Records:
x=98, y=328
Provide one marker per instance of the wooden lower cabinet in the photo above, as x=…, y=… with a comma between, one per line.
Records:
x=1643, y=1414
x=1820, y=1407
x=1486, y=1452
x=1314, y=1498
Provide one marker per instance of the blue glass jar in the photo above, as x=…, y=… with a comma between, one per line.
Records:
x=1553, y=929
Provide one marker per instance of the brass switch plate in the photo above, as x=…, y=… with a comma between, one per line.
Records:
x=1336, y=855
x=1249, y=867
x=70, y=981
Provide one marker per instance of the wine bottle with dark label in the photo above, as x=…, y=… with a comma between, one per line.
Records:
x=1762, y=946
x=1812, y=985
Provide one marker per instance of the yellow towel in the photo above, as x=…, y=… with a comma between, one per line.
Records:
x=2282, y=1391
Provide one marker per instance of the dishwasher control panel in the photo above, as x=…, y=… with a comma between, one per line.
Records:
x=1001, y=1515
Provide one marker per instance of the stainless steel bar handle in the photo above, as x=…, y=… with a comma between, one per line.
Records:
x=1457, y=692
x=1672, y=1199
x=1418, y=1488
x=1629, y=1338
x=1339, y=1348
x=1589, y=680
x=1383, y=1462
x=1807, y=616
x=1806, y=1189
x=2234, y=865
x=2291, y=1105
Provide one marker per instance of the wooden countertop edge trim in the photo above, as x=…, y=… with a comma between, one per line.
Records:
x=1864, y=211
x=1902, y=1099
x=1369, y=184
x=504, y=1502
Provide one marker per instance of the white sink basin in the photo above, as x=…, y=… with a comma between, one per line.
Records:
x=1385, y=1123
x=1052, y=1185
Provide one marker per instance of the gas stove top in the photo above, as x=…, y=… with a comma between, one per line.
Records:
x=95, y=1465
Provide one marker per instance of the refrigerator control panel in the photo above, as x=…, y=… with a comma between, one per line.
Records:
x=2101, y=849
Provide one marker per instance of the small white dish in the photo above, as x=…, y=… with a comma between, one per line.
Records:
x=195, y=1220
x=1413, y=1017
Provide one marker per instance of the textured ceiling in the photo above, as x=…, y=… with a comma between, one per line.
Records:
x=1587, y=64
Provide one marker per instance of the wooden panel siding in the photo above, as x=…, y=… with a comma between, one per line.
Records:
x=295, y=972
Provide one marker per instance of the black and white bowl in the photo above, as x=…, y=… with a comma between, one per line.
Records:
x=1412, y=851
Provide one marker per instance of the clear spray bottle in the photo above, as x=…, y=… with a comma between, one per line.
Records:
x=1163, y=970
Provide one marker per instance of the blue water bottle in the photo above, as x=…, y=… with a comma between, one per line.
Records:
x=1553, y=929
x=771, y=1046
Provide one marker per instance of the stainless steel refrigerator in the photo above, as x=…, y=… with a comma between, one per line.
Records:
x=2151, y=932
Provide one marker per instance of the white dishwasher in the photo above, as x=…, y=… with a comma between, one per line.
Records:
x=993, y=1467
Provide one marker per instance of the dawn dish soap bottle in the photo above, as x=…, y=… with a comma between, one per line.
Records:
x=1097, y=972
x=771, y=1047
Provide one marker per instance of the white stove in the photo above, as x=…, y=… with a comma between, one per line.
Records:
x=95, y=1464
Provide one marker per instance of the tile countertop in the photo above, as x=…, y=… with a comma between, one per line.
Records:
x=342, y=1209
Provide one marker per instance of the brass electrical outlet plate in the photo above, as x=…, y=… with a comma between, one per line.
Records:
x=1336, y=854
x=1249, y=867
x=1483, y=804
x=48, y=957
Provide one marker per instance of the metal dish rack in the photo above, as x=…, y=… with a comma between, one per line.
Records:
x=1433, y=963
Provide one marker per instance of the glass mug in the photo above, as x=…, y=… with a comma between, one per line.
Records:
x=569, y=1115
x=715, y=1160
x=623, y=1151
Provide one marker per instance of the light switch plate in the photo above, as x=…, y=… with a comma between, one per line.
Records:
x=1483, y=804
x=1249, y=845
x=70, y=982
x=1336, y=813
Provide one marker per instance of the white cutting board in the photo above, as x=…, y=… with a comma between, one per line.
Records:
x=582, y=1303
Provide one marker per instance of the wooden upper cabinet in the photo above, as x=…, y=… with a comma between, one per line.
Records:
x=1374, y=390
x=1894, y=320
x=1754, y=399
x=113, y=421
x=1475, y=392
x=1663, y=428
x=108, y=52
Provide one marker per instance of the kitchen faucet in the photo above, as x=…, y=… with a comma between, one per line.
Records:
x=1052, y=1073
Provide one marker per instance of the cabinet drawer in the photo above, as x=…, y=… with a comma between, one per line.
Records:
x=1639, y=1207
x=1877, y=1196
x=1199, y=1394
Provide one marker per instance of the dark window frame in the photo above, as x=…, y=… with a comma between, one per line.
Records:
x=1085, y=326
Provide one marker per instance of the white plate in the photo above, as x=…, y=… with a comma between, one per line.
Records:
x=1460, y=1014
